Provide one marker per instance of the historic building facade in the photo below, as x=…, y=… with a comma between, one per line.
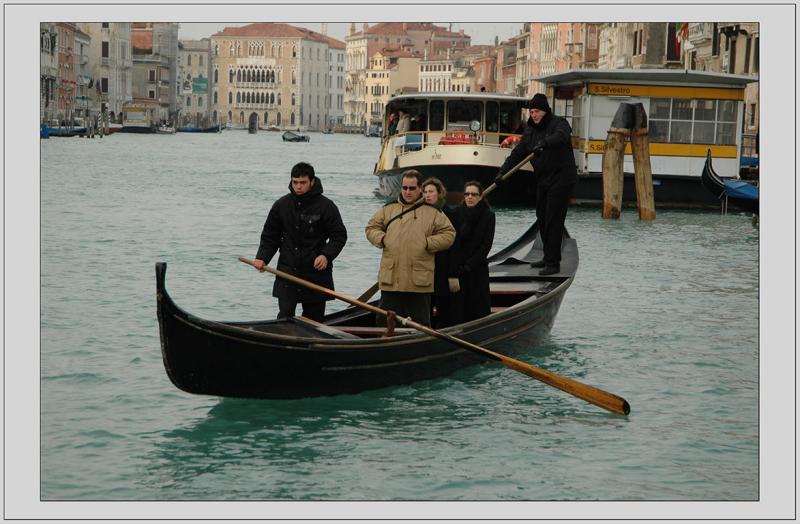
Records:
x=155, y=67
x=273, y=74
x=194, y=88
x=414, y=37
x=48, y=71
x=110, y=66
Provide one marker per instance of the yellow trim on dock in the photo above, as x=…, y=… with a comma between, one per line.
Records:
x=660, y=149
x=666, y=91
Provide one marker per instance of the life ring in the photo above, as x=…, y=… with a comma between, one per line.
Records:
x=509, y=140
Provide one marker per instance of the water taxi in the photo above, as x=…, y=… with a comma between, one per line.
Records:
x=688, y=112
x=456, y=137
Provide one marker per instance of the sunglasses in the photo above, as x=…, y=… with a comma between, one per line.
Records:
x=409, y=188
x=469, y=193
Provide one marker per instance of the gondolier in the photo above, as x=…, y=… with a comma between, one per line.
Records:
x=548, y=136
x=308, y=230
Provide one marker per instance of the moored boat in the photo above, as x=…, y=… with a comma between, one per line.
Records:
x=192, y=129
x=295, y=358
x=165, y=130
x=289, y=136
x=729, y=191
x=456, y=137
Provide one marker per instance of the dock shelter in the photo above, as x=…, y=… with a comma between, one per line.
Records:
x=688, y=112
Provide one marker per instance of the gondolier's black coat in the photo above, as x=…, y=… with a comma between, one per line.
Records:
x=476, y=235
x=447, y=261
x=303, y=227
x=556, y=175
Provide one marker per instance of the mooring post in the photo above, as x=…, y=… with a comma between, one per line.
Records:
x=643, y=175
x=613, y=159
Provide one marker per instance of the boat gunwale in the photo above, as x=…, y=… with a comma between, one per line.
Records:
x=245, y=334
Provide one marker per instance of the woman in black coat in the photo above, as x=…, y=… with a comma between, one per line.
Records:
x=476, y=235
x=446, y=286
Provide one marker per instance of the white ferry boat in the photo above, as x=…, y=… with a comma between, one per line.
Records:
x=456, y=137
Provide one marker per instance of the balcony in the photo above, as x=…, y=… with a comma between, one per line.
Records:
x=700, y=32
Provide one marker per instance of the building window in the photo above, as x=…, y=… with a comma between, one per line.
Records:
x=188, y=101
x=216, y=98
x=692, y=121
x=755, y=55
x=105, y=25
x=230, y=98
x=199, y=101
x=104, y=85
x=715, y=40
x=103, y=49
x=152, y=75
x=188, y=59
x=294, y=55
x=151, y=94
x=216, y=76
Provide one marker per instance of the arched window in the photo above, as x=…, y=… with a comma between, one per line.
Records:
x=294, y=77
x=230, y=98
x=263, y=98
x=230, y=50
x=272, y=98
x=230, y=76
x=216, y=98
x=249, y=77
x=216, y=53
x=291, y=120
x=293, y=100
x=241, y=117
x=279, y=99
x=266, y=120
x=247, y=98
x=272, y=50
x=238, y=75
x=294, y=51
x=238, y=97
x=216, y=76
x=278, y=119
x=230, y=116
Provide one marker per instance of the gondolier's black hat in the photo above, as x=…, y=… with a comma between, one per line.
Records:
x=539, y=101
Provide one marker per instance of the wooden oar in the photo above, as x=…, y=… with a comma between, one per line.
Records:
x=368, y=293
x=590, y=394
x=508, y=174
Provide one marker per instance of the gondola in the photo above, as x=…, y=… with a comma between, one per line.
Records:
x=289, y=136
x=740, y=194
x=192, y=129
x=297, y=357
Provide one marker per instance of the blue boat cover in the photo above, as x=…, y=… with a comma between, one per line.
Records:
x=743, y=190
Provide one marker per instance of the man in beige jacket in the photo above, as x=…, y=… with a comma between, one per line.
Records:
x=409, y=231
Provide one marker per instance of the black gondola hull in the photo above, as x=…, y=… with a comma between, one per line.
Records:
x=286, y=359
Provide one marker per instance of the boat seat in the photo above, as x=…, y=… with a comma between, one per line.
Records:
x=328, y=330
x=375, y=332
x=497, y=309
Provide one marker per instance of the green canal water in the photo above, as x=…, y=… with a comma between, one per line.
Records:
x=663, y=313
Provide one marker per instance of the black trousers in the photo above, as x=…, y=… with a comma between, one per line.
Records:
x=312, y=310
x=414, y=305
x=551, y=212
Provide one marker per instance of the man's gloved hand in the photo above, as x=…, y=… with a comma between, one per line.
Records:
x=454, y=285
x=498, y=180
x=539, y=147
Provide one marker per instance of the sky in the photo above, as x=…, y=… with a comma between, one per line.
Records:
x=481, y=33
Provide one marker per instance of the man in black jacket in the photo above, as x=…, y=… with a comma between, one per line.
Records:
x=308, y=230
x=549, y=137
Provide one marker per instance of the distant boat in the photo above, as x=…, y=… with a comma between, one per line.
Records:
x=328, y=131
x=165, y=130
x=273, y=128
x=192, y=129
x=730, y=191
x=289, y=136
x=47, y=131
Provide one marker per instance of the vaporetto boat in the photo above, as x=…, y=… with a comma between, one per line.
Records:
x=456, y=137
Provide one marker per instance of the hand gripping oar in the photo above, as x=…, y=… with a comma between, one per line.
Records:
x=508, y=174
x=590, y=394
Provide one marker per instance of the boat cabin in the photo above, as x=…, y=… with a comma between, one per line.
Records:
x=688, y=112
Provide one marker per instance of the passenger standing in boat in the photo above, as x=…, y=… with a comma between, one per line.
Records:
x=476, y=222
x=549, y=137
x=403, y=122
x=308, y=230
x=445, y=304
x=409, y=232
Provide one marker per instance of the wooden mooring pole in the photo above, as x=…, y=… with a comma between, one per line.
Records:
x=640, y=147
x=613, y=159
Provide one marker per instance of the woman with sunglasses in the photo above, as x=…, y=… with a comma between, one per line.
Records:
x=445, y=310
x=476, y=235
